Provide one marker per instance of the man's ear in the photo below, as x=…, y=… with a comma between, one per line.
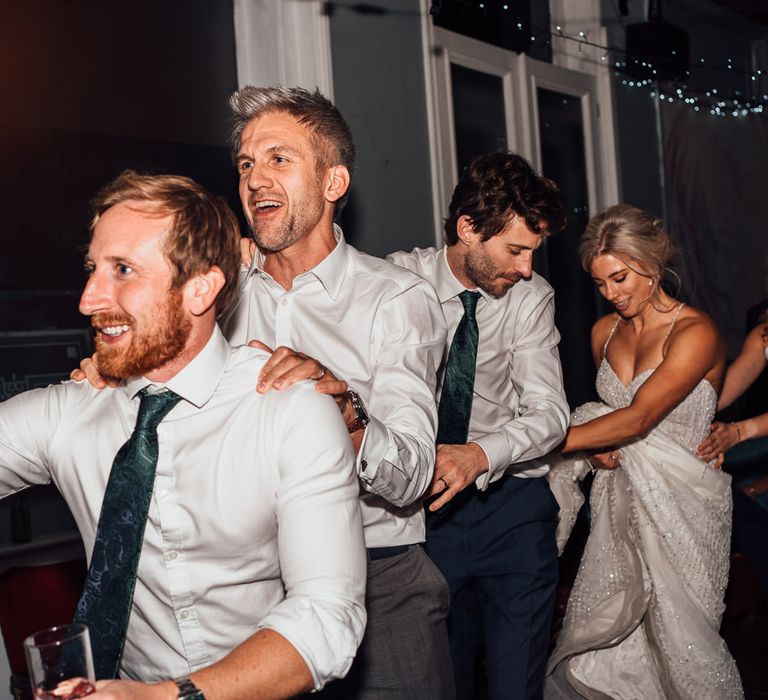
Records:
x=336, y=182
x=201, y=291
x=465, y=230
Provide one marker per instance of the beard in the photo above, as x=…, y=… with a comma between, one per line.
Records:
x=481, y=271
x=275, y=236
x=149, y=348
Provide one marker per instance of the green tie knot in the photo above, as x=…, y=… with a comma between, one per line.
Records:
x=154, y=407
x=469, y=299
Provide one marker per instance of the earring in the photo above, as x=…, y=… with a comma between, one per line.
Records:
x=650, y=283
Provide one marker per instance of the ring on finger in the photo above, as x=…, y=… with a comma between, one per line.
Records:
x=613, y=457
x=445, y=483
x=322, y=374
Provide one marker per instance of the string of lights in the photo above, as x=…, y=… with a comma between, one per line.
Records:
x=716, y=102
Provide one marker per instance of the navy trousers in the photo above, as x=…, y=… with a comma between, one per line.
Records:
x=497, y=550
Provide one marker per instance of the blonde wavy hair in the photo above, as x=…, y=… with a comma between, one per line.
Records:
x=634, y=237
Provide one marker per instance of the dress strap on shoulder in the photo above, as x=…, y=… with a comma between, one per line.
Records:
x=674, y=321
x=610, y=335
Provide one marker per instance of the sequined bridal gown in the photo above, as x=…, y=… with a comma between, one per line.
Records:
x=643, y=617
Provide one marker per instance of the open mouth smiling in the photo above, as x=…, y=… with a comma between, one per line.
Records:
x=264, y=206
x=113, y=332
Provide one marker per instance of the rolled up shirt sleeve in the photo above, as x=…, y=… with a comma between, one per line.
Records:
x=397, y=457
x=27, y=423
x=541, y=411
x=320, y=538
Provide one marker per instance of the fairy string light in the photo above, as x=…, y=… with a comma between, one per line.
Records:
x=713, y=100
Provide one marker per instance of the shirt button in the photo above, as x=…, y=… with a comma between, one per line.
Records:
x=184, y=614
x=171, y=556
x=284, y=302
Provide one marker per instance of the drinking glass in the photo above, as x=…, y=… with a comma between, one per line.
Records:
x=59, y=659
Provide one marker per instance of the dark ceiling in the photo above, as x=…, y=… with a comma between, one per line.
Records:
x=755, y=10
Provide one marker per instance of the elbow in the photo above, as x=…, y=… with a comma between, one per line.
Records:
x=405, y=496
x=641, y=428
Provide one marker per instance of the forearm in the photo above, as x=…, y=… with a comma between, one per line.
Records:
x=609, y=430
x=739, y=377
x=752, y=427
x=265, y=666
x=744, y=369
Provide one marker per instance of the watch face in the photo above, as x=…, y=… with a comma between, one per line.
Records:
x=357, y=404
x=361, y=416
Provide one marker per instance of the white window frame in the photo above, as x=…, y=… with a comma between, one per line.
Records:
x=521, y=77
x=579, y=85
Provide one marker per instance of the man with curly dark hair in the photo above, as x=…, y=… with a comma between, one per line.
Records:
x=501, y=405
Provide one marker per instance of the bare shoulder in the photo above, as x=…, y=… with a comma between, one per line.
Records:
x=602, y=328
x=695, y=324
x=696, y=335
x=600, y=331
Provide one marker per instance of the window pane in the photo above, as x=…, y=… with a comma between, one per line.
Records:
x=478, y=113
x=561, y=130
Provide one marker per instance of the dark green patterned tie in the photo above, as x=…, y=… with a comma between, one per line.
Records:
x=459, y=379
x=107, y=597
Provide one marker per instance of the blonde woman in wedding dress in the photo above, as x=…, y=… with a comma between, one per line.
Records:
x=643, y=617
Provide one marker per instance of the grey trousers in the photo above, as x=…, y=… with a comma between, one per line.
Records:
x=405, y=654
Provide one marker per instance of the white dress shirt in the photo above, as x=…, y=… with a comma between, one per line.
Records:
x=254, y=520
x=519, y=409
x=379, y=328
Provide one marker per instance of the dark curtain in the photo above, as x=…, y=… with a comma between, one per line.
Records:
x=717, y=211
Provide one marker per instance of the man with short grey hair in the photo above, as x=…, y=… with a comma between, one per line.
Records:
x=371, y=334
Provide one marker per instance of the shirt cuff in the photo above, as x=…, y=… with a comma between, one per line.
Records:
x=372, y=451
x=497, y=452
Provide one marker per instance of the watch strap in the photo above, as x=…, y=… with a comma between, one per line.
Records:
x=188, y=690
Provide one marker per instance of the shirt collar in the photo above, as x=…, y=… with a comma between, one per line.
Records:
x=331, y=270
x=197, y=381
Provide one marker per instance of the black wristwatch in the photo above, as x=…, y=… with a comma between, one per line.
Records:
x=361, y=415
x=188, y=690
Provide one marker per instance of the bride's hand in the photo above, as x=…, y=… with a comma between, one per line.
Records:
x=605, y=460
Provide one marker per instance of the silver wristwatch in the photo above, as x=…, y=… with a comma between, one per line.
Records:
x=188, y=690
x=361, y=415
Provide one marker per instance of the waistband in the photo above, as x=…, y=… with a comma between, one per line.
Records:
x=375, y=553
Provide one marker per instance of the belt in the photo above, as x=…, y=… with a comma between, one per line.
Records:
x=375, y=553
